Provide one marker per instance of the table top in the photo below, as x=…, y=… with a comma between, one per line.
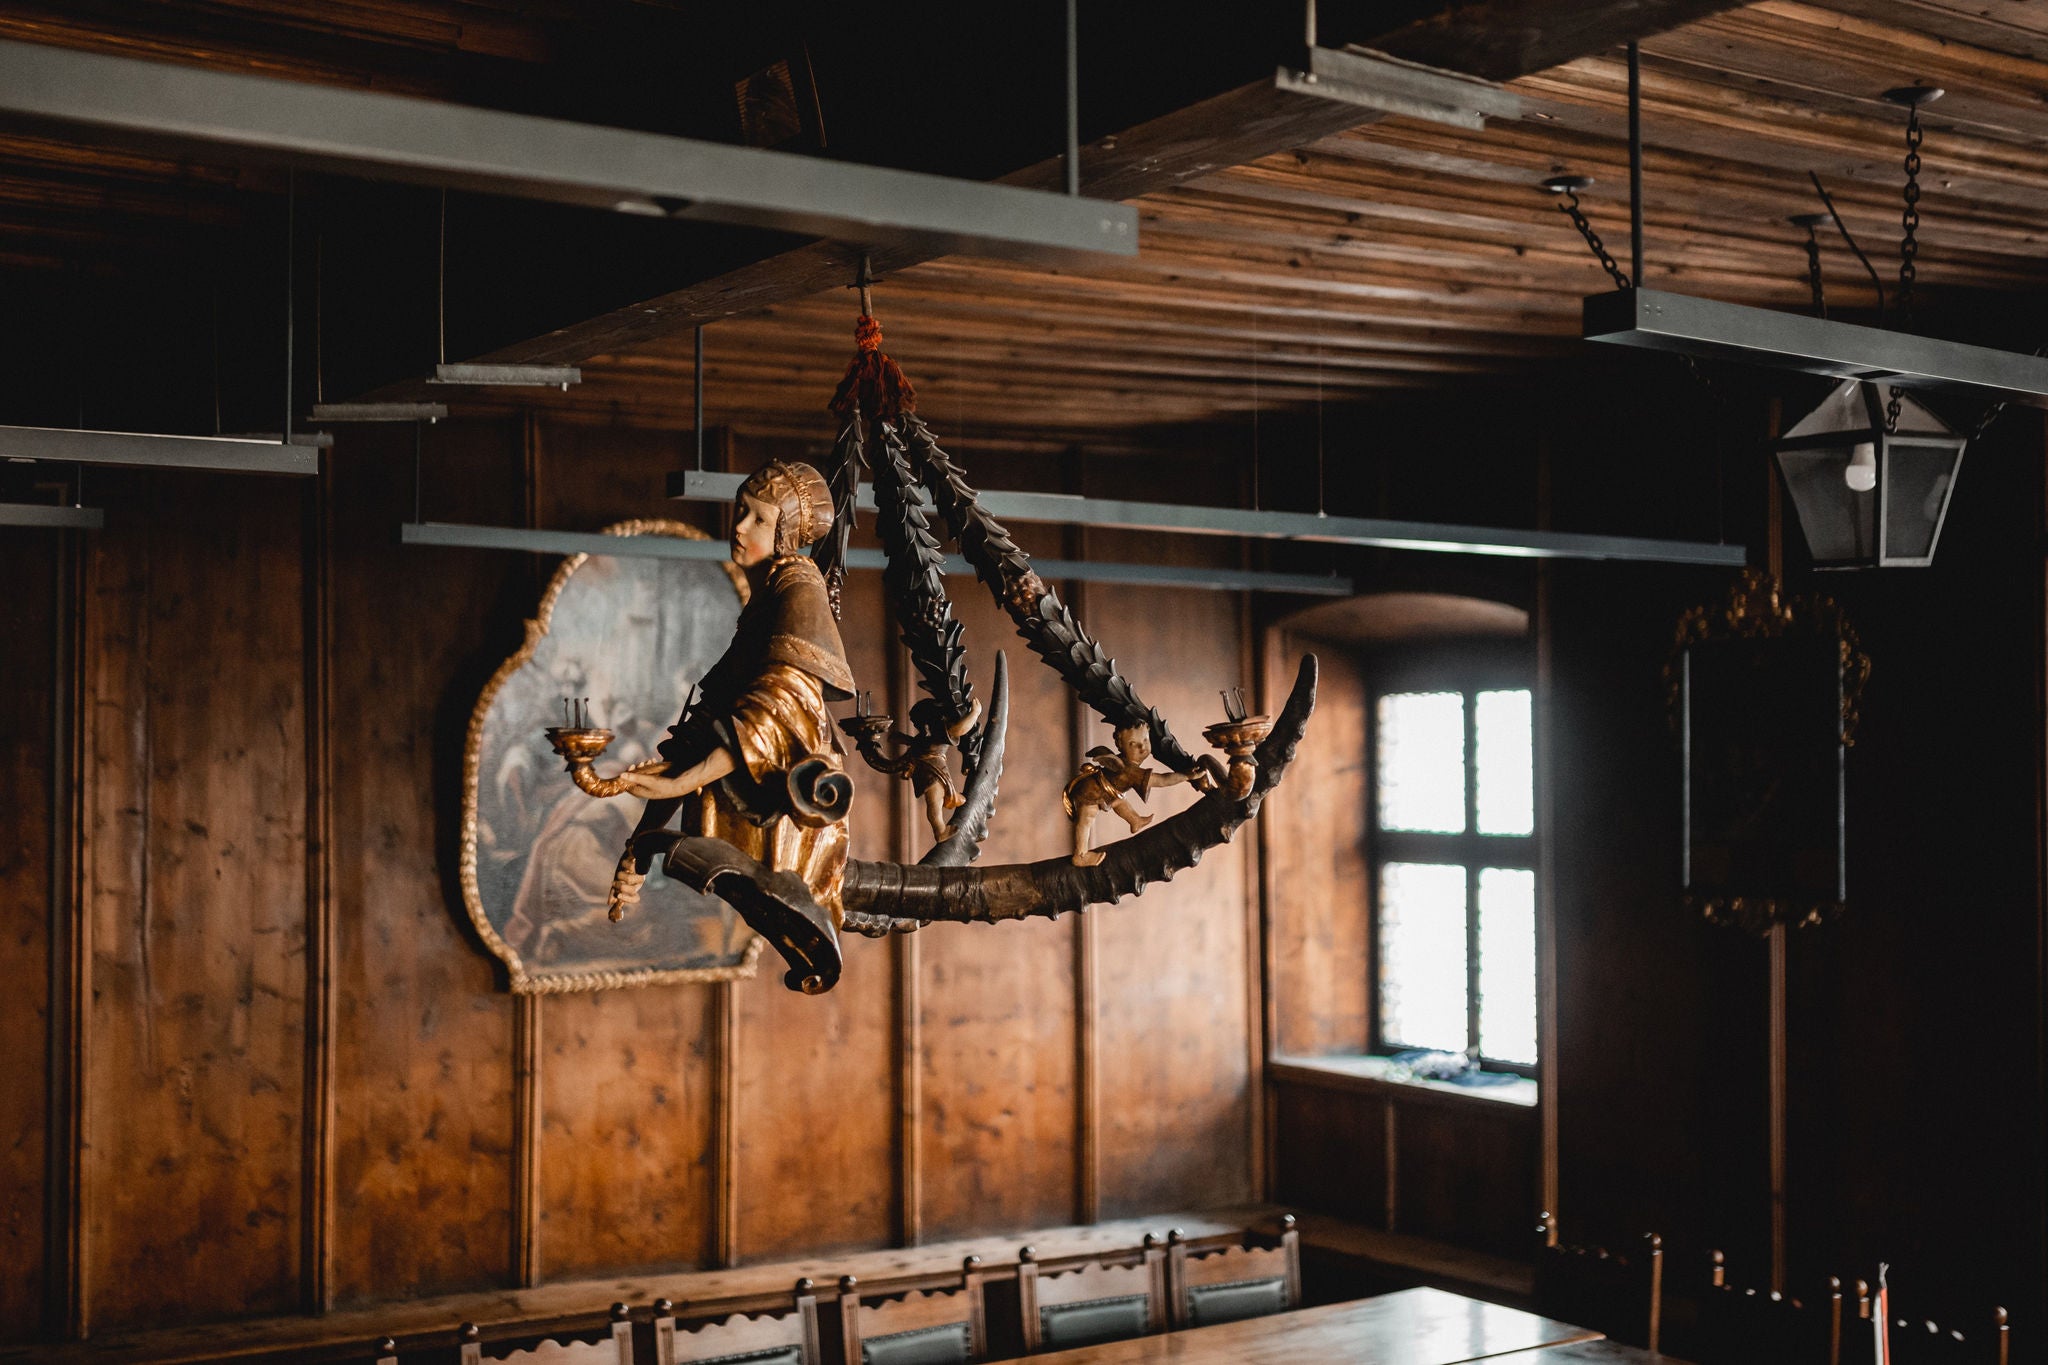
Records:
x=1410, y=1327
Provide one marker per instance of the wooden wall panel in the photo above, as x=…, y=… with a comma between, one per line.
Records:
x=1331, y=1152
x=1174, y=1019
x=816, y=1084
x=1318, y=917
x=29, y=741
x=423, y=1036
x=996, y=1003
x=627, y=1158
x=1466, y=1174
x=195, y=894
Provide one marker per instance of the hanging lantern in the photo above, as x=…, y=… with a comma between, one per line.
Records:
x=1867, y=496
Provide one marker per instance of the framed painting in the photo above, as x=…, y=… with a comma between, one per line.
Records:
x=1764, y=692
x=633, y=634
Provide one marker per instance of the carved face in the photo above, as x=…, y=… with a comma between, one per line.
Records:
x=1134, y=743
x=753, y=533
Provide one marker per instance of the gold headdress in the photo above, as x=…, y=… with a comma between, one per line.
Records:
x=803, y=497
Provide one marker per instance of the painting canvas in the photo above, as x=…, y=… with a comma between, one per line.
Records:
x=633, y=634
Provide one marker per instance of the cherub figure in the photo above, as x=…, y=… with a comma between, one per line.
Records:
x=921, y=757
x=1105, y=775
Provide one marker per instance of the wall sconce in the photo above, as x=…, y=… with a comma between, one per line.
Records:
x=1868, y=497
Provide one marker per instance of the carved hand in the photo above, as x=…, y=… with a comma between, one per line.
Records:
x=625, y=886
x=659, y=787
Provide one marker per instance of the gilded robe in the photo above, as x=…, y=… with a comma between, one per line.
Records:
x=764, y=702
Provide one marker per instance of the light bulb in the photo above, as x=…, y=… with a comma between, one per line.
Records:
x=1861, y=475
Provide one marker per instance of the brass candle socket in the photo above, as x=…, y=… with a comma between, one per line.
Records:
x=579, y=746
x=1237, y=739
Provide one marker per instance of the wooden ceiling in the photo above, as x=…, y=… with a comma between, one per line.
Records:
x=1403, y=254
x=1368, y=261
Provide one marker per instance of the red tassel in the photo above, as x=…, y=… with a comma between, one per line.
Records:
x=873, y=381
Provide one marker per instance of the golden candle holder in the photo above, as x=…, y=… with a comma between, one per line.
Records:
x=1238, y=736
x=579, y=743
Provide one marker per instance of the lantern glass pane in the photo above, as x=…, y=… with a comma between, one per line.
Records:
x=1916, y=487
x=1840, y=523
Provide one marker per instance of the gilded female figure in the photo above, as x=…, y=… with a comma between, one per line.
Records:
x=760, y=711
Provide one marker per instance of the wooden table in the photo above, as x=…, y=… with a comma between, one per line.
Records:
x=1411, y=1327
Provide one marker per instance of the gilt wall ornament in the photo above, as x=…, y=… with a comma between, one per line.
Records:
x=1765, y=692
x=748, y=797
x=621, y=636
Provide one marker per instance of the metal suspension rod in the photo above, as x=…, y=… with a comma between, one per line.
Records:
x=1073, y=97
x=1635, y=162
x=697, y=403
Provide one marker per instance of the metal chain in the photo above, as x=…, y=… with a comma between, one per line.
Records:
x=1891, y=410
x=1909, y=245
x=1813, y=275
x=1996, y=410
x=1570, y=208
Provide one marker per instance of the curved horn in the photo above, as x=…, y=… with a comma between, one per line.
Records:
x=970, y=821
x=881, y=898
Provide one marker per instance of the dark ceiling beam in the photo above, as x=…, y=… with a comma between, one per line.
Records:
x=1495, y=39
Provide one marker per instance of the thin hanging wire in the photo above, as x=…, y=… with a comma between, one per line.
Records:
x=441, y=288
x=417, y=442
x=1255, y=411
x=213, y=309
x=319, y=283
x=697, y=403
x=291, y=218
x=1876, y=282
x=1320, y=484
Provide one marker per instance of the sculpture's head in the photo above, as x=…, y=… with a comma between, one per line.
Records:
x=1134, y=742
x=782, y=507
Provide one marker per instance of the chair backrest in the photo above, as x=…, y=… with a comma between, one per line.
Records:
x=767, y=1339
x=1619, y=1294
x=1983, y=1339
x=614, y=1348
x=1248, y=1276
x=944, y=1326
x=1743, y=1325
x=1082, y=1300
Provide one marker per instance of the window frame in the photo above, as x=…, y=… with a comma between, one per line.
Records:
x=1467, y=668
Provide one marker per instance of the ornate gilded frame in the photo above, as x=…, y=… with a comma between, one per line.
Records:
x=1757, y=609
x=521, y=980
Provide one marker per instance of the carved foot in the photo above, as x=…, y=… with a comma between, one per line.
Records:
x=1090, y=858
x=1138, y=822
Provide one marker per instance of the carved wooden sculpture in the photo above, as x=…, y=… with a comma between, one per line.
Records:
x=793, y=883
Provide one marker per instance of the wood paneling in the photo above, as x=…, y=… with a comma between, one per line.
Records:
x=1331, y=1152
x=997, y=1002
x=1318, y=920
x=423, y=1037
x=1175, y=1104
x=29, y=769
x=817, y=1075
x=627, y=1158
x=195, y=891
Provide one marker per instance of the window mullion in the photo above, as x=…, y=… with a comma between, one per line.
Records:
x=1471, y=877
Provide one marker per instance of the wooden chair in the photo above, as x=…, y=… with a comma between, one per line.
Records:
x=1749, y=1326
x=615, y=1348
x=1079, y=1301
x=770, y=1339
x=1622, y=1296
x=1247, y=1277
x=1921, y=1341
x=945, y=1326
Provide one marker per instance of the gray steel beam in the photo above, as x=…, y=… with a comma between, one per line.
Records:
x=61, y=518
x=676, y=547
x=1067, y=510
x=508, y=376
x=379, y=412
x=356, y=132
x=231, y=454
x=1710, y=329
x=1390, y=85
